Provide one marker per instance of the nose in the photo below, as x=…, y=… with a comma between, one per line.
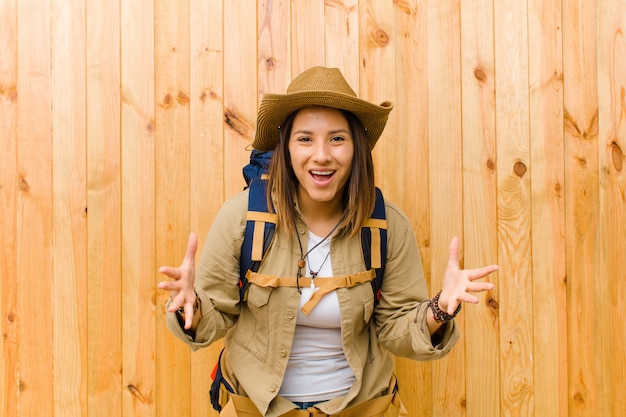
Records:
x=321, y=151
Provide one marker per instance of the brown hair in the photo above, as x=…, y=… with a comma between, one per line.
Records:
x=359, y=195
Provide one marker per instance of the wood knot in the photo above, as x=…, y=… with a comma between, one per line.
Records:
x=167, y=101
x=579, y=398
x=150, y=127
x=618, y=156
x=480, y=75
x=11, y=318
x=381, y=37
x=491, y=165
x=270, y=63
x=137, y=394
x=520, y=169
x=493, y=304
x=235, y=122
x=23, y=185
x=10, y=93
x=182, y=98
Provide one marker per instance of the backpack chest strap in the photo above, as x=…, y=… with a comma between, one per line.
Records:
x=326, y=285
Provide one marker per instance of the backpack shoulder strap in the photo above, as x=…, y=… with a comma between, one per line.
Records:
x=374, y=243
x=260, y=227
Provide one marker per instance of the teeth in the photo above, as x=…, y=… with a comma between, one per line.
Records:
x=321, y=173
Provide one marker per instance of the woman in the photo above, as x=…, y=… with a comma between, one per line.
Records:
x=284, y=352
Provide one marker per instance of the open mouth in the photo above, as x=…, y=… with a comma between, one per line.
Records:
x=322, y=177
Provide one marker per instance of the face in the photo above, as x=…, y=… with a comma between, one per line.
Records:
x=321, y=148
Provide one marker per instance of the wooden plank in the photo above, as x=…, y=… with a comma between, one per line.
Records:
x=273, y=51
x=611, y=263
x=514, y=207
x=139, y=300
x=479, y=204
x=580, y=94
x=34, y=311
x=548, y=207
x=69, y=216
x=377, y=84
x=408, y=145
x=341, y=20
x=8, y=208
x=446, y=192
x=240, y=90
x=104, y=293
x=307, y=35
x=207, y=158
x=172, y=191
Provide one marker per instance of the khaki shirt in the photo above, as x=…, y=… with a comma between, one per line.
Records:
x=259, y=333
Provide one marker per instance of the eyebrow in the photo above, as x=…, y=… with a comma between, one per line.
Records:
x=309, y=132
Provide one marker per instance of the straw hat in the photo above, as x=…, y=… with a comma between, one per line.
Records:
x=317, y=86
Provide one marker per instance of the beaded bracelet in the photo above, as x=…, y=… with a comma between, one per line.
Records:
x=439, y=315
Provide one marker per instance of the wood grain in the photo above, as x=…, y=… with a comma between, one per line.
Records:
x=307, y=36
x=611, y=262
x=240, y=90
x=406, y=148
x=8, y=208
x=207, y=159
x=446, y=191
x=479, y=204
x=341, y=28
x=34, y=310
x=138, y=239
x=580, y=124
x=104, y=244
x=548, y=207
x=514, y=208
x=69, y=239
x=172, y=155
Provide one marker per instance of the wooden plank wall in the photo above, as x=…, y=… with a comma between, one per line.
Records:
x=124, y=126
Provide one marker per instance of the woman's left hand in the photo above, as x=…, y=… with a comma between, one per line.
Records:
x=459, y=283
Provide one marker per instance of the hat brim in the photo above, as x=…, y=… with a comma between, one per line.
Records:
x=275, y=108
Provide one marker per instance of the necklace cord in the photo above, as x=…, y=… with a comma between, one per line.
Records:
x=303, y=256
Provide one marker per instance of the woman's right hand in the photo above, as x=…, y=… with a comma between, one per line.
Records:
x=182, y=292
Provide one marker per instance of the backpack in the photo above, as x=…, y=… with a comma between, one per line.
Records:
x=260, y=227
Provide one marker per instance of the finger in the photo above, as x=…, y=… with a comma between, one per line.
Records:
x=169, y=286
x=478, y=273
x=174, y=304
x=188, y=315
x=454, y=252
x=192, y=247
x=170, y=272
x=453, y=306
x=480, y=287
x=466, y=298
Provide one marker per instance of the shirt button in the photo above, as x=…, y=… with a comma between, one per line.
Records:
x=272, y=388
x=283, y=353
x=290, y=315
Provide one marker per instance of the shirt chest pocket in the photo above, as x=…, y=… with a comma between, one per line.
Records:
x=362, y=301
x=252, y=329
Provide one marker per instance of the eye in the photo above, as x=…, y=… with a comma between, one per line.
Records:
x=337, y=139
x=303, y=139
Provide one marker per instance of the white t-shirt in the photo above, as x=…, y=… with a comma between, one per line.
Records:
x=317, y=368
